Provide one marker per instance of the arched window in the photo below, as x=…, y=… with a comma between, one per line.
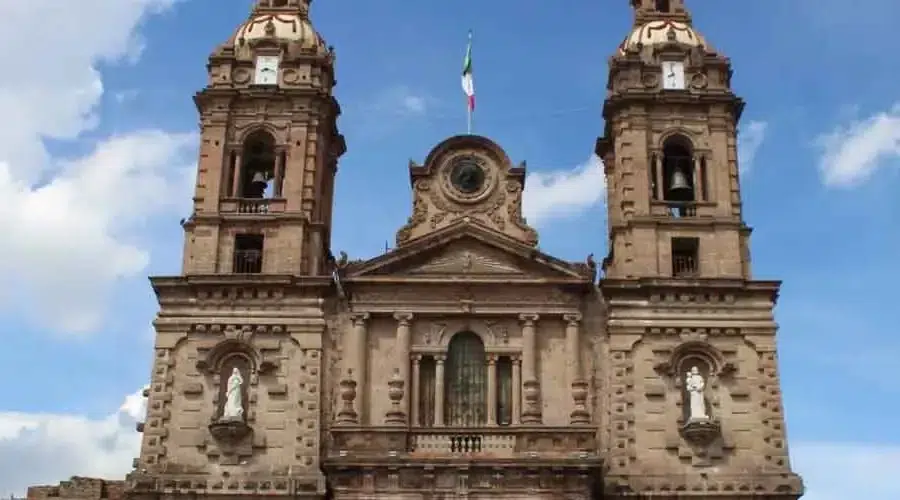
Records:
x=465, y=400
x=663, y=6
x=678, y=181
x=258, y=160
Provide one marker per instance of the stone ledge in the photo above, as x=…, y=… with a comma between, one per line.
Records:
x=786, y=486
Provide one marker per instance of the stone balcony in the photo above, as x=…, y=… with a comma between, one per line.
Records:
x=448, y=443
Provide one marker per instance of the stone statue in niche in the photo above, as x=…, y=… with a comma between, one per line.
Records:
x=695, y=385
x=233, y=409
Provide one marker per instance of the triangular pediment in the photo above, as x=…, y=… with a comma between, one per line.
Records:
x=469, y=251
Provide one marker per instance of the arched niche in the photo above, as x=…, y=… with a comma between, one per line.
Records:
x=712, y=357
x=711, y=365
x=211, y=361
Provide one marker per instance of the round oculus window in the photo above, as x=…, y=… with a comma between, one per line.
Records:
x=467, y=176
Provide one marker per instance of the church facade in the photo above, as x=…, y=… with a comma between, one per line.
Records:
x=464, y=363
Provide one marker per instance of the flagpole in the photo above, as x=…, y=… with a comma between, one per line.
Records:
x=469, y=109
x=469, y=86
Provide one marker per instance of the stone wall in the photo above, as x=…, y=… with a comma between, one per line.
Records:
x=79, y=488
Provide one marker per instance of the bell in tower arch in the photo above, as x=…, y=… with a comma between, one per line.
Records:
x=678, y=185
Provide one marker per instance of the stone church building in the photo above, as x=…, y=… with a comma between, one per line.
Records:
x=464, y=363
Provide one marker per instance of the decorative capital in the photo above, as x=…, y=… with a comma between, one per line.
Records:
x=529, y=319
x=416, y=358
x=492, y=358
x=359, y=319
x=440, y=358
x=572, y=319
x=403, y=318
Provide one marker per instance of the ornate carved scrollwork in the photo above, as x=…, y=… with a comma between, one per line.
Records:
x=701, y=432
x=230, y=431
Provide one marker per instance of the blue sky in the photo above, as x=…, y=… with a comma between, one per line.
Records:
x=99, y=148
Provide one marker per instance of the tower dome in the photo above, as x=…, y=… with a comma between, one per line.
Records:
x=663, y=32
x=281, y=21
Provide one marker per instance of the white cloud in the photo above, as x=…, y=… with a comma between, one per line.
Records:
x=401, y=100
x=853, y=153
x=562, y=193
x=750, y=138
x=66, y=222
x=40, y=449
x=843, y=471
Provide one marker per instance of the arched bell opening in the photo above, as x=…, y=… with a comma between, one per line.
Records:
x=678, y=175
x=258, y=161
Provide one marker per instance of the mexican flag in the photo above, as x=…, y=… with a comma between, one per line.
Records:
x=468, y=83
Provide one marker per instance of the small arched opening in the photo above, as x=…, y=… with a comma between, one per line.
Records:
x=663, y=6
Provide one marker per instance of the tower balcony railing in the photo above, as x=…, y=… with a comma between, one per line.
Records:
x=252, y=206
x=681, y=209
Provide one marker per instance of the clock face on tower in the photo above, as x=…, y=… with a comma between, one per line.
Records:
x=266, y=70
x=466, y=175
x=673, y=75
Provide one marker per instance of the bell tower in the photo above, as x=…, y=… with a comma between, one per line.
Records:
x=235, y=396
x=269, y=149
x=694, y=405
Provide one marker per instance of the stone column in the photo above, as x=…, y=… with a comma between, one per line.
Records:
x=574, y=375
x=530, y=384
x=355, y=356
x=439, y=390
x=516, y=390
x=402, y=354
x=698, y=186
x=573, y=368
x=278, y=176
x=659, y=189
x=492, y=390
x=236, y=175
x=415, y=388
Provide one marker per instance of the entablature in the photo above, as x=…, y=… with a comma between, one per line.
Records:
x=686, y=292
x=222, y=291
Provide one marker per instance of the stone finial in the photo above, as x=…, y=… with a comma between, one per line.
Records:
x=347, y=414
x=396, y=415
